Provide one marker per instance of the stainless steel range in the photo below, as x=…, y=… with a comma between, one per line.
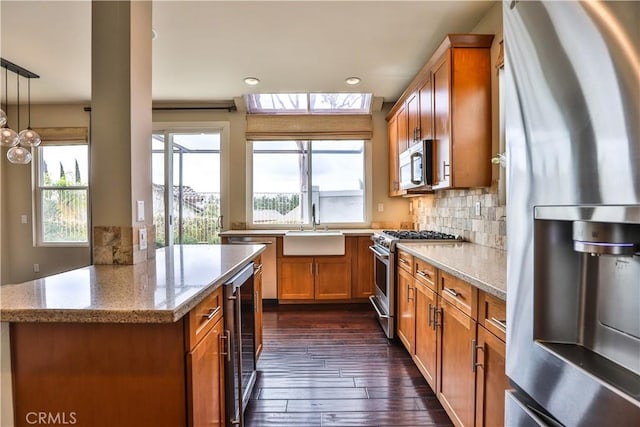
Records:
x=384, y=269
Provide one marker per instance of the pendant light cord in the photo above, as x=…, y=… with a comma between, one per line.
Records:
x=6, y=96
x=29, y=103
x=18, y=85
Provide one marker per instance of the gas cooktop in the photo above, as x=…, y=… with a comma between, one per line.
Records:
x=420, y=235
x=389, y=238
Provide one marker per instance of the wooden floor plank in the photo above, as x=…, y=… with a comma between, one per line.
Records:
x=332, y=366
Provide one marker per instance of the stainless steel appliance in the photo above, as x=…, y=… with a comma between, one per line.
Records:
x=416, y=167
x=240, y=366
x=572, y=105
x=269, y=273
x=384, y=270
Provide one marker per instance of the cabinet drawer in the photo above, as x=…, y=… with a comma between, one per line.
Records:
x=492, y=314
x=405, y=261
x=203, y=316
x=459, y=293
x=424, y=273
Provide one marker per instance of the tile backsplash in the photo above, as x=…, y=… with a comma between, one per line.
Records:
x=453, y=211
x=121, y=245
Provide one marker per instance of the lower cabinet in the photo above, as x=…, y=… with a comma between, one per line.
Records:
x=315, y=278
x=205, y=376
x=491, y=382
x=406, y=316
x=455, y=335
x=456, y=378
x=425, y=354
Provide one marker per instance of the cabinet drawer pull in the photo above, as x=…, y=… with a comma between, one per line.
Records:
x=437, y=313
x=474, y=355
x=451, y=292
x=409, y=290
x=429, y=316
x=226, y=337
x=499, y=323
x=257, y=268
x=444, y=166
x=212, y=313
x=424, y=274
x=403, y=261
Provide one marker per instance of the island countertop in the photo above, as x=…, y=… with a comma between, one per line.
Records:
x=156, y=291
x=482, y=266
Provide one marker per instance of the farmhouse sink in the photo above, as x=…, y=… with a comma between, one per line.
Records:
x=310, y=242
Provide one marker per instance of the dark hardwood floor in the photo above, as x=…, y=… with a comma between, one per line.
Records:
x=333, y=366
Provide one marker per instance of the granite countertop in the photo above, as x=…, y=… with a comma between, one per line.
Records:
x=159, y=290
x=258, y=232
x=482, y=266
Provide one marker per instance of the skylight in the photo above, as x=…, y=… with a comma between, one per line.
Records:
x=309, y=103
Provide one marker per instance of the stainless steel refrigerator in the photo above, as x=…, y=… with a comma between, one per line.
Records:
x=572, y=114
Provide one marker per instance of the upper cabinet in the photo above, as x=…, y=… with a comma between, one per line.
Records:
x=449, y=101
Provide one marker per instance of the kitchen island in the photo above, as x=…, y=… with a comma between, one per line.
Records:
x=112, y=345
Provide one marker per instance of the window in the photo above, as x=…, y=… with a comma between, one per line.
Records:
x=62, y=194
x=290, y=178
x=309, y=103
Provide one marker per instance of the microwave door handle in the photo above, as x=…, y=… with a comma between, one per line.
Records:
x=413, y=173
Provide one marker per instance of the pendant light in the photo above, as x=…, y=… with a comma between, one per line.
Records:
x=19, y=144
x=18, y=154
x=28, y=137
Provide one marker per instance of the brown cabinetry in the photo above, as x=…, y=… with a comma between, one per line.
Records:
x=456, y=378
x=462, y=118
x=491, y=381
x=362, y=271
x=307, y=278
x=406, y=310
x=455, y=335
x=449, y=101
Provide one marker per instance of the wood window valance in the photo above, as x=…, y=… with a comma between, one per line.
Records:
x=70, y=135
x=308, y=126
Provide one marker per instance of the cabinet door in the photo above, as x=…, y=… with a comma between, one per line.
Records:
x=394, y=169
x=295, y=278
x=403, y=129
x=491, y=380
x=257, y=287
x=413, y=118
x=425, y=351
x=406, y=310
x=456, y=379
x=205, y=378
x=442, y=121
x=332, y=278
x=426, y=110
x=362, y=286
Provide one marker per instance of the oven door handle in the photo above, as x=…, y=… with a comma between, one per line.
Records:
x=375, y=307
x=378, y=253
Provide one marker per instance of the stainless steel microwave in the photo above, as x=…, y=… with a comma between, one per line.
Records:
x=416, y=166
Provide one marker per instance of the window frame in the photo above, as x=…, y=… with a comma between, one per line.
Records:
x=36, y=170
x=367, y=191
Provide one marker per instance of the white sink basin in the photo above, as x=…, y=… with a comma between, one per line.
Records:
x=308, y=242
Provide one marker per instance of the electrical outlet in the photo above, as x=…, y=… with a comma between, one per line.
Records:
x=380, y=207
x=23, y=219
x=36, y=268
x=140, y=211
x=477, y=208
x=142, y=234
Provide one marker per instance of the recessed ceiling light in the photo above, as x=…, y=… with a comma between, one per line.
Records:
x=352, y=80
x=154, y=34
x=251, y=81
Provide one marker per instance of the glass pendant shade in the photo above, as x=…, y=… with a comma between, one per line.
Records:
x=8, y=137
x=19, y=155
x=3, y=118
x=29, y=138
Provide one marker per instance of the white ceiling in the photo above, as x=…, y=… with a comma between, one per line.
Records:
x=205, y=48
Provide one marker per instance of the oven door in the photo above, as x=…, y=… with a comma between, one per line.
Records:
x=383, y=300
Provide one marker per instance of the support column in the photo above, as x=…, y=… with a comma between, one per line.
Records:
x=121, y=127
